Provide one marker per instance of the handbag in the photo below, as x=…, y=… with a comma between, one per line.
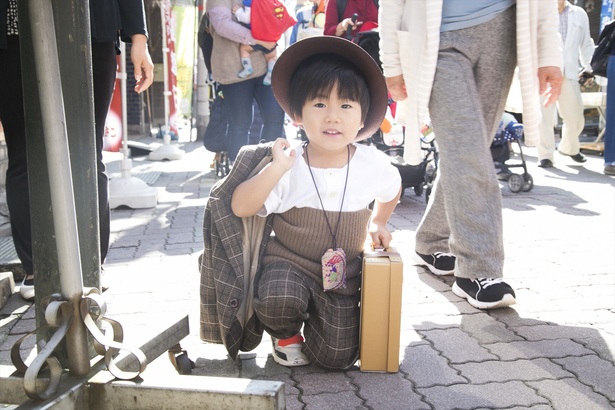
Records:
x=214, y=139
x=600, y=59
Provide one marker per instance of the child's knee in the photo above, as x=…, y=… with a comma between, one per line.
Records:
x=282, y=294
x=332, y=358
x=280, y=304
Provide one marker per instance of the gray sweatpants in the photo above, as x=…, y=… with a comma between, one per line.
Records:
x=472, y=80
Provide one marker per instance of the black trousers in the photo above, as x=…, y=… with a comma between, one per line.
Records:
x=12, y=117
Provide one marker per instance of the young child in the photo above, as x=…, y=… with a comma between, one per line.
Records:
x=243, y=14
x=320, y=194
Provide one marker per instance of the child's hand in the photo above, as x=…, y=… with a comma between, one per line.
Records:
x=235, y=8
x=380, y=235
x=282, y=154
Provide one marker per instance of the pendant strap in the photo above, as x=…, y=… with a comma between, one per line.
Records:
x=339, y=215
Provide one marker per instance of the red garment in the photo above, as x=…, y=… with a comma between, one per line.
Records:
x=269, y=20
x=365, y=9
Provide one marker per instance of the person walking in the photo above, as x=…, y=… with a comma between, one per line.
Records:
x=239, y=93
x=438, y=57
x=109, y=20
x=609, y=129
x=578, y=48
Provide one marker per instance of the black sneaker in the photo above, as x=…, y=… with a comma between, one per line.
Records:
x=485, y=293
x=438, y=263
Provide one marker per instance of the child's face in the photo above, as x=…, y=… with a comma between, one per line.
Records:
x=331, y=122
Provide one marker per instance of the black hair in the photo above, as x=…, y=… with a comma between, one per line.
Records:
x=316, y=77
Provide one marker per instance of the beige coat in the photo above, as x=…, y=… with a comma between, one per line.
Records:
x=228, y=34
x=410, y=36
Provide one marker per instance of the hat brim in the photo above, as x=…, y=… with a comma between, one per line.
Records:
x=293, y=56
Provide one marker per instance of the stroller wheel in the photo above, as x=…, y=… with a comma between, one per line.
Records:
x=515, y=183
x=528, y=182
x=418, y=190
x=222, y=165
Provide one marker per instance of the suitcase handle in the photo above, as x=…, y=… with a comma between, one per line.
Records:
x=370, y=252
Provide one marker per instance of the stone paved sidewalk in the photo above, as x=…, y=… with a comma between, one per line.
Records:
x=555, y=349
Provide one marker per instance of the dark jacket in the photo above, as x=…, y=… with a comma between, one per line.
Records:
x=4, y=7
x=107, y=18
x=230, y=261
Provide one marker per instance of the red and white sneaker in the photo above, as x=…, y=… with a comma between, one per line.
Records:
x=287, y=352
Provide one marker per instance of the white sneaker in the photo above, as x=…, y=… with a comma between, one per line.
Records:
x=26, y=289
x=287, y=352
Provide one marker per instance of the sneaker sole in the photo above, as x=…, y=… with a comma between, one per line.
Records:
x=286, y=363
x=506, y=301
x=420, y=262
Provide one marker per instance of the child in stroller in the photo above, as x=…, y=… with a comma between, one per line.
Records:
x=390, y=139
x=509, y=131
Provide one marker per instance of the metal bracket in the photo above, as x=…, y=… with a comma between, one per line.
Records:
x=59, y=315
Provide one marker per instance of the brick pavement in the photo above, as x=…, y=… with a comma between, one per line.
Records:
x=554, y=349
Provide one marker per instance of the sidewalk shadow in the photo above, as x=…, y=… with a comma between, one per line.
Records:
x=519, y=361
x=563, y=201
x=583, y=175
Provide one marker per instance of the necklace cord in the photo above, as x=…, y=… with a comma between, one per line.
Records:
x=339, y=215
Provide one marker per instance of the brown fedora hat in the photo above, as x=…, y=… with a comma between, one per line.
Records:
x=293, y=56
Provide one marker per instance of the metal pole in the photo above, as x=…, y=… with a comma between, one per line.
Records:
x=126, y=162
x=165, y=69
x=60, y=178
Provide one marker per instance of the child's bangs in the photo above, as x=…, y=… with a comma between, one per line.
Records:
x=347, y=83
x=320, y=74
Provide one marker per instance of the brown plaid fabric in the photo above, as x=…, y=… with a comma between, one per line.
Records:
x=221, y=264
x=287, y=299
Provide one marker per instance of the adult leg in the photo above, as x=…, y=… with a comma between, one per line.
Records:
x=238, y=105
x=271, y=112
x=12, y=117
x=609, y=133
x=467, y=196
x=570, y=104
x=104, y=68
x=546, y=145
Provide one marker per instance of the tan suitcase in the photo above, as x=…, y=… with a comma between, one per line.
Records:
x=381, y=291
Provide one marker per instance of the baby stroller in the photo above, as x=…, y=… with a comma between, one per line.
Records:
x=508, y=132
x=390, y=140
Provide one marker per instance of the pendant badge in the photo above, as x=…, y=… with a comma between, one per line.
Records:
x=334, y=269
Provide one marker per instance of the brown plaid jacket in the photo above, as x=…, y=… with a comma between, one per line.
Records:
x=226, y=287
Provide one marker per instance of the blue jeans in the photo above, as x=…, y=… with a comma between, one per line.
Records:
x=609, y=132
x=238, y=99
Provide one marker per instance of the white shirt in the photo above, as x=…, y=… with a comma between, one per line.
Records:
x=578, y=45
x=371, y=176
